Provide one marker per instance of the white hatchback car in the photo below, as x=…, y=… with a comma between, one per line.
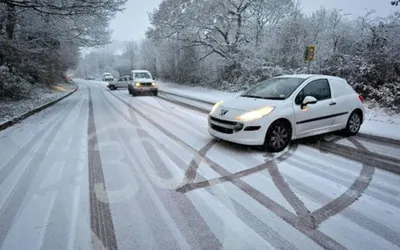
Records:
x=284, y=108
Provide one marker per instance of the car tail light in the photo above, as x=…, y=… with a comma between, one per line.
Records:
x=361, y=98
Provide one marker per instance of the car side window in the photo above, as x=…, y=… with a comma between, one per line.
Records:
x=319, y=89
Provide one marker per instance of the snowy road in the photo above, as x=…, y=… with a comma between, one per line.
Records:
x=104, y=170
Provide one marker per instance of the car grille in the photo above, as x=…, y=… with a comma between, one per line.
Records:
x=145, y=84
x=221, y=129
x=223, y=126
x=222, y=121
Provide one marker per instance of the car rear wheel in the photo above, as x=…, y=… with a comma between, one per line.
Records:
x=353, y=124
x=278, y=136
x=112, y=87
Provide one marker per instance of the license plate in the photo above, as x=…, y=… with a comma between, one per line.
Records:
x=146, y=88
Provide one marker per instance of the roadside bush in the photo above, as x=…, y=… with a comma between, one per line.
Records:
x=366, y=78
x=12, y=85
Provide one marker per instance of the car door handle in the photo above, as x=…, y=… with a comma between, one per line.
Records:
x=332, y=103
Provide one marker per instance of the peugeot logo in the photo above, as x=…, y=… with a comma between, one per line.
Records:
x=223, y=112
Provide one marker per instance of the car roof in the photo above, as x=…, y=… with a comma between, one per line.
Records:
x=140, y=71
x=302, y=76
x=306, y=76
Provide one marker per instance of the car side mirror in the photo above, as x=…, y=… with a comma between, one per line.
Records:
x=308, y=100
x=154, y=78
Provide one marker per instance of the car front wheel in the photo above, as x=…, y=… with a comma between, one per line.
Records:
x=278, y=136
x=353, y=124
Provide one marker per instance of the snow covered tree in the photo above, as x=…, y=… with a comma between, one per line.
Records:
x=131, y=48
x=266, y=14
x=40, y=40
x=232, y=44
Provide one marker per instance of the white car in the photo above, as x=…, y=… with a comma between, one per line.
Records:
x=122, y=82
x=285, y=108
x=107, y=77
x=142, y=82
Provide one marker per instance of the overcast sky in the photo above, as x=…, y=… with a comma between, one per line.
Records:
x=133, y=22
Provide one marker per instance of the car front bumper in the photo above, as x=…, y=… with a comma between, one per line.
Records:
x=246, y=133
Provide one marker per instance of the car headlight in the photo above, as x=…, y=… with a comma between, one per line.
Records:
x=137, y=84
x=255, y=114
x=153, y=84
x=216, y=106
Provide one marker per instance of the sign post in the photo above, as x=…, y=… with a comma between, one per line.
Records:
x=309, y=56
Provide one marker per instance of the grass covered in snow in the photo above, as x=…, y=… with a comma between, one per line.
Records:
x=38, y=96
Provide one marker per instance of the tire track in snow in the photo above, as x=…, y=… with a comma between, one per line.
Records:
x=255, y=223
x=353, y=192
x=54, y=236
x=6, y=170
x=363, y=221
x=177, y=114
x=100, y=214
x=362, y=155
x=272, y=167
x=191, y=172
x=317, y=236
x=181, y=209
x=190, y=186
x=12, y=204
x=375, y=191
x=347, y=198
x=350, y=195
x=284, y=188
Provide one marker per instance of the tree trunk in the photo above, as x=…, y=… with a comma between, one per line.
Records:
x=11, y=21
x=258, y=34
x=335, y=43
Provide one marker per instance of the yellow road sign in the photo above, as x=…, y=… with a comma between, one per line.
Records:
x=309, y=54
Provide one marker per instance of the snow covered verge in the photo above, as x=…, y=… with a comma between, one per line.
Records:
x=378, y=121
x=38, y=95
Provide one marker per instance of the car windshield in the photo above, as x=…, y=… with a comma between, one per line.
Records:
x=274, y=88
x=142, y=75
